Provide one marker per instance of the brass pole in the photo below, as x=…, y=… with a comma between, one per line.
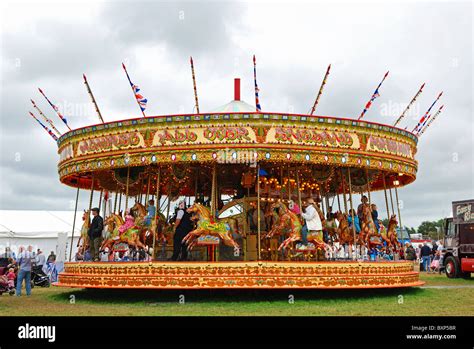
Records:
x=147, y=190
x=157, y=205
x=100, y=198
x=391, y=199
x=91, y=196
x=344, y=192
x=398, y=209
x=126, y=189
x=298, y=187
x=385, y=193
x=258, y=211
x=74, y=224
x=352, y=210
x=115, y=202
x=281, y=182
x=368, y=185
x=120, y=203
x=289, y=184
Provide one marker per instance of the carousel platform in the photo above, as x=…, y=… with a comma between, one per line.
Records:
x=239, y=275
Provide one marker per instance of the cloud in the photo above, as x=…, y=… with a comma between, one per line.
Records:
x=52, y=45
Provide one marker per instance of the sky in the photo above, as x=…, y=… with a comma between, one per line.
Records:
x=51, y=44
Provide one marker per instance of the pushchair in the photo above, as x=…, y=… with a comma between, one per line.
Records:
x=39, y=278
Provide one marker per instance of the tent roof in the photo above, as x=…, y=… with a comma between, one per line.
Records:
x=235, y=106
x=38, y=224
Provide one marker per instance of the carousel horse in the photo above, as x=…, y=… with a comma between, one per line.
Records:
x=147, y=231
x=130, y=236
x=289, y=225
x=345, y=234
x=369, y=234
x=84, y=237
x=392, y=233
x=207, y=225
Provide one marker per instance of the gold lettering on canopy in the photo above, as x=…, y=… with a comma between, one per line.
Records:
x=110, y=142
x=315, y=137
x=389, y=146
x=204, y=135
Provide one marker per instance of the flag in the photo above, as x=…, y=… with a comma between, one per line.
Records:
x=56, y=109
x=46, y=128
x=257, y=90
x=424, y=117
x=142, y=101
x=374, y=96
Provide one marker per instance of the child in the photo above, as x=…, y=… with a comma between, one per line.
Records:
x=375, y=216
x=11, y=278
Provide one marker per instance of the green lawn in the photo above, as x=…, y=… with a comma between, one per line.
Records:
x=407, y=302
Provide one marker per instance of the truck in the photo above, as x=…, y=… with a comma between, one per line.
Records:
x=458, y=256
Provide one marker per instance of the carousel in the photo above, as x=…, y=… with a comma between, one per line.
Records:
x=240, y=172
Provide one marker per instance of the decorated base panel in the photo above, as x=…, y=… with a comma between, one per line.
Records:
x=239, y=275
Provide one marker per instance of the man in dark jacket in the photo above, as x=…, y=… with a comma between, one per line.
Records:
x=425, y=255
x=183, y=225
x=95, y=234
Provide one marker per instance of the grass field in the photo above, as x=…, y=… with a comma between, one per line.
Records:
x=442, y=296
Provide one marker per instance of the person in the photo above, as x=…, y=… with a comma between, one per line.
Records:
x=293, y=206
x=435, y=264
x=11, y=278
x=434, y=249
x=356, y=220
x=104, y=255
x=425, y=254
x=364, y=200
x=40, y=259
x=151, y=209
x=79, y=255
x=95, y=234
x=375, y=216
x=410, y=254
x=329, y=214
x=24, y=271
x=51, y=258
x=312, y=219
x=183, y=225
x=9, y=255
x=129, y=222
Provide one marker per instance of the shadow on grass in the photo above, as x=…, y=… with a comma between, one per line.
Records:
x=102, y=296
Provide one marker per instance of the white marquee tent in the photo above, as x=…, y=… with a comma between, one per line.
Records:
x=39, y=229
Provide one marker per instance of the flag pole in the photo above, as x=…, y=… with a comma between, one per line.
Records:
x=423, y=118
x=45, y=128
x=55, y=109
x=45, y=118
x=409, y=105
x=431, y=120
x=92, y=98
x=258, y=108
x=320, y=90
x=194, y=85
x=133, y=91
x=374, y=95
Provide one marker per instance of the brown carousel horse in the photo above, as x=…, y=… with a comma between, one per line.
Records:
x=146, y=232
x=84, y=237
x=285, y=223
x=369, y=234
x=130, y=236
x=392, y=233
x=345, y=234
x=207, y=225
x=289, y=225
